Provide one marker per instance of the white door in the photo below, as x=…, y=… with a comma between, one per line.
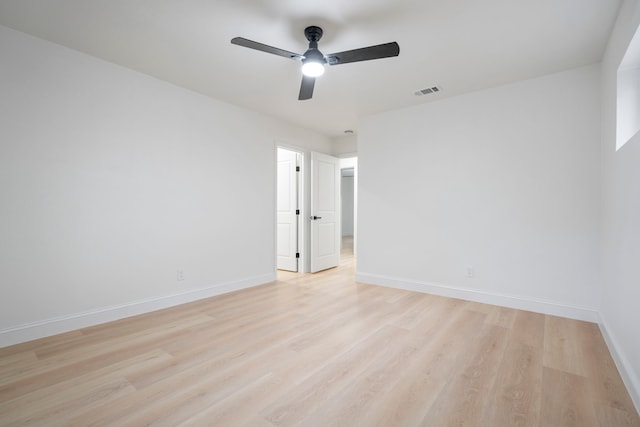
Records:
x=287, y=204
x=325, y=212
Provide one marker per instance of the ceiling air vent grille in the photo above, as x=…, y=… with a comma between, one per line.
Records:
x=427, y=91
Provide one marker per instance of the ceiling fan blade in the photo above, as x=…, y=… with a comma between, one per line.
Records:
x=385, y=50
x=306, y=88
x=240, y=41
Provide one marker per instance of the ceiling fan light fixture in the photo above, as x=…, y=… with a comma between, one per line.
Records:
x=312, y=68
x=313, y=61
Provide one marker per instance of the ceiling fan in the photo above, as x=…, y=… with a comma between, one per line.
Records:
x=313, y=60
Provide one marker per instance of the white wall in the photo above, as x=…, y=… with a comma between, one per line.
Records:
x=111, y=181
x=505, y=180
x=621, y=232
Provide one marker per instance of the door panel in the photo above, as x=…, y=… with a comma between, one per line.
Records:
x=325, y=212
x=326, y=186
x=284, y=240
x=287, y=220
x=326, y=241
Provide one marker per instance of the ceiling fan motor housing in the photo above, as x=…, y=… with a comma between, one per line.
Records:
x=313, y=33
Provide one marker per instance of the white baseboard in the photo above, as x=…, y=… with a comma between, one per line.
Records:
x=58, y=325
x=629, y=377
x=522, y=303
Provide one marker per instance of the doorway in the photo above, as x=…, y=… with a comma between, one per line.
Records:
x=308, y=213
x=349, y=205
x=348, y=217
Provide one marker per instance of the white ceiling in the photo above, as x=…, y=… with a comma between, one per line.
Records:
x=460, y=45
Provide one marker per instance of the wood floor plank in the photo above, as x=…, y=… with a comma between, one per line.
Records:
x=422, y=379
x=329, y=380
x=319, y=349
x=199, y=350
x=59, y=402
x=358, y=397
x=465, y=398
x=231, y=410
x=565, y=400
x=564, y=348
x=502, y=316
x=529, y=329
x=40, y=343
x=81, y=359
x=516, y=397
x=609, y=416
x=12, y=364
x=60, y=407
x=608, y=391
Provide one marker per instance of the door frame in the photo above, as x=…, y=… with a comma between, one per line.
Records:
x=302, y=204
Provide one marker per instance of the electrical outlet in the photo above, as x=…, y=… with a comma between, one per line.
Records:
x=180, y=275
x=469, y=270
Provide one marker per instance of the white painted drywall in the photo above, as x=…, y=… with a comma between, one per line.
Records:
x=505, y=180
x=111, y=181
x=621, y=231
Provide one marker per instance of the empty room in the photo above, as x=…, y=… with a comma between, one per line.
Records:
x=282, y=213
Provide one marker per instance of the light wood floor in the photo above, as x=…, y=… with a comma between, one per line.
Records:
x=319, y=350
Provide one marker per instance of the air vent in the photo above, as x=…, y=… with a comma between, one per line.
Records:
x=427, y=91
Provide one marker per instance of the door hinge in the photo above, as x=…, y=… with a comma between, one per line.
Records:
x=297, y=168
x=297, y=254
x=297, y=211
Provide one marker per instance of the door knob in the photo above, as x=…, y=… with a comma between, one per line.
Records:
x=316, y=217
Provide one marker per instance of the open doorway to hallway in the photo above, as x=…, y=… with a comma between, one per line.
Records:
x=348, y=215
x=348, y=225
x=349, y=205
